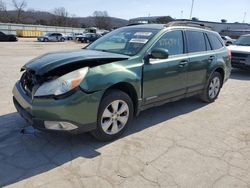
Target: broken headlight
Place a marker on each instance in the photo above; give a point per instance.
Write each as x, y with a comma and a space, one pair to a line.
62, 84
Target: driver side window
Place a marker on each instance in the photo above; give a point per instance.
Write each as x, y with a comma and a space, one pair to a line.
171, 41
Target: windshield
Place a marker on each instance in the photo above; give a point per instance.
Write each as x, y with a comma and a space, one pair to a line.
243, 41
127, 41
47, 34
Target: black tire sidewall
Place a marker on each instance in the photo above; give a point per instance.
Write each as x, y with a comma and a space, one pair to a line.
108, 98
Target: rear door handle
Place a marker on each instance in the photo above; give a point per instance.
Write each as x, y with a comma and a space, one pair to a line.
211, 58
183, 63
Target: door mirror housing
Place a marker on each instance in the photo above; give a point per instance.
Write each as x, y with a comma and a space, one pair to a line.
159, 53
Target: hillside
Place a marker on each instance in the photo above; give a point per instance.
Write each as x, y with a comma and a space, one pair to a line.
47, 18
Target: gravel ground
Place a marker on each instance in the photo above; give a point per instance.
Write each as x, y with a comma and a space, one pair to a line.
182, 144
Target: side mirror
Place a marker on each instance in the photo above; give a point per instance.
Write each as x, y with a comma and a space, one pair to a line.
159, 53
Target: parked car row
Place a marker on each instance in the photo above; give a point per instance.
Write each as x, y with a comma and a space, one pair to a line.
59, 37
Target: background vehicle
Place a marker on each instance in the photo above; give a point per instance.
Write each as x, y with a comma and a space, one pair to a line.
78, 35
100, 88
72, 36
52, 37
227, 40
89, 37
4, 37
241, 52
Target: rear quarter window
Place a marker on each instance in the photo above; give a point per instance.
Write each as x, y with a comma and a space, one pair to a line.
215, 42
195, 41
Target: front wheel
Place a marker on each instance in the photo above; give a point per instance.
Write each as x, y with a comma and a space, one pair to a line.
213, 87
114, 115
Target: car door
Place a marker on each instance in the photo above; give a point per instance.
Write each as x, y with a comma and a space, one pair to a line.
200, 56
166, 78
2, 35
53, 37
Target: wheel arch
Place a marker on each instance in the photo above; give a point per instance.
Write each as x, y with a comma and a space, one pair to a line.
219, 70
129, 90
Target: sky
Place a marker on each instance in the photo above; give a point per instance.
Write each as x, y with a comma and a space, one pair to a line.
210, 10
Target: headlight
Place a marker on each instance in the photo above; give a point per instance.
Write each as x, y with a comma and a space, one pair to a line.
62, 84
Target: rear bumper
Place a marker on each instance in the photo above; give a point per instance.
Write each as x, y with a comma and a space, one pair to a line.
79, 109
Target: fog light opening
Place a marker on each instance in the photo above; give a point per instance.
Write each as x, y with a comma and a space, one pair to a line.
59, 126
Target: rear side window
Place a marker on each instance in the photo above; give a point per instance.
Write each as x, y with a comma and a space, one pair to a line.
215, 41
208, 43
195, 41
171, 41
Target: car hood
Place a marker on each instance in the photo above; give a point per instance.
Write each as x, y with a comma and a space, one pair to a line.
50, 61
243, 49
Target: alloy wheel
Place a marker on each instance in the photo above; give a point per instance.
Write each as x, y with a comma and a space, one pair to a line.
115, 117
214, 88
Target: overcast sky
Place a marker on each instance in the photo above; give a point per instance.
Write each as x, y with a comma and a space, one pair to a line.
212, 10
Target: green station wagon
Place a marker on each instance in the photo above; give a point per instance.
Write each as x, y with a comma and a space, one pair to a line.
100, 88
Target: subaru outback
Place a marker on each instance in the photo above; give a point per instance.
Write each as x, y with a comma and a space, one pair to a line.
100, 88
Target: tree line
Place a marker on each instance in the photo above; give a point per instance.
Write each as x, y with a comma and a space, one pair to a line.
57, 17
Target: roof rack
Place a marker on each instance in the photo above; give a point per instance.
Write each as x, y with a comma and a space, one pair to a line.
188, 23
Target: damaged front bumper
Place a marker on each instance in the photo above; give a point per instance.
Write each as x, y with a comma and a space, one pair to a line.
76, 113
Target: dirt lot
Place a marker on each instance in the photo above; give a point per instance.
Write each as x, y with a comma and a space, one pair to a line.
182, 144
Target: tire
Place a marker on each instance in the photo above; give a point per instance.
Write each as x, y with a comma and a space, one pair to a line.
45, 40
62, 39
213, 88
114, 115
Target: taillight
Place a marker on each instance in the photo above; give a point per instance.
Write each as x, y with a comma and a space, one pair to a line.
229, 53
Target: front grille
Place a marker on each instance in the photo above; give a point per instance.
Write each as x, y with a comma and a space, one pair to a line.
239, 55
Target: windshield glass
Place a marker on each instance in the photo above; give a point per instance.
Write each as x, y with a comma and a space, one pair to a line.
47, 34
243, 41
127, 41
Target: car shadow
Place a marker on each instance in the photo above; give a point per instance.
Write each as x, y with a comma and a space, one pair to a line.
239, 74
25, 152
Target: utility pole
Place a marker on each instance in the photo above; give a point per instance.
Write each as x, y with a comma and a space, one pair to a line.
191, 12
244, 17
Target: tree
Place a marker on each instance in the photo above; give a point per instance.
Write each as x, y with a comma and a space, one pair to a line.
60, 17
19, 7
102, 20
223, 21
164, 19
195, 19
3, 12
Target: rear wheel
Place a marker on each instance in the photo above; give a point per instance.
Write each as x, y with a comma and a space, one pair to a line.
213, 87
45, 40
115, 113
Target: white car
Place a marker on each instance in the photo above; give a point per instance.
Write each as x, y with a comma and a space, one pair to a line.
228, 40
241, 52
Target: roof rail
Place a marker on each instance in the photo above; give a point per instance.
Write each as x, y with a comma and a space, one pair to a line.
132, 24
188, 23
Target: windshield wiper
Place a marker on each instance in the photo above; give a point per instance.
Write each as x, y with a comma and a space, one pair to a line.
243, 44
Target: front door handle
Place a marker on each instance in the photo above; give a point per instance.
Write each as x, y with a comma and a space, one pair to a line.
183, 63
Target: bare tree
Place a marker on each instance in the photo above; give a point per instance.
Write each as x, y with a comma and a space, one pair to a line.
60, 17
102, 19
164, 19
19, 6
3, 12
